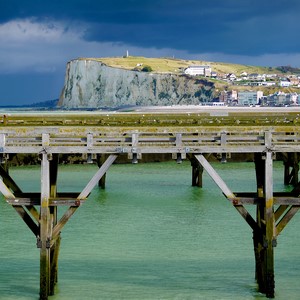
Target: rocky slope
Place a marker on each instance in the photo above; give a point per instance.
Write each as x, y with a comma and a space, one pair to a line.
92, 84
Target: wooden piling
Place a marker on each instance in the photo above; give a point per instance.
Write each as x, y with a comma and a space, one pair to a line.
291, 168
54, 250
44, 242
100, 162
264, 238
269, 237
197, 172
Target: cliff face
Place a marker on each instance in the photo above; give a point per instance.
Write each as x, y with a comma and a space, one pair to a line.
92, 84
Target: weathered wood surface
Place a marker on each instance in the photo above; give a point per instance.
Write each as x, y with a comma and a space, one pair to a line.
208, 131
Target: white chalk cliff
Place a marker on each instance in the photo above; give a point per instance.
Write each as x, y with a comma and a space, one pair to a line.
92, 84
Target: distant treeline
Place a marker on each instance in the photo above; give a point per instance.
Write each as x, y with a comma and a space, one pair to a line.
288, 69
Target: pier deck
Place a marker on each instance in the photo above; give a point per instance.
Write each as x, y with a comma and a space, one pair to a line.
186, 132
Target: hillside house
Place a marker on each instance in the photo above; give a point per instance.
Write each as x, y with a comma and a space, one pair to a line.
284, 82
231, 77
198, 71
268, 83
214, 74
294, 81
257, 77
244, 75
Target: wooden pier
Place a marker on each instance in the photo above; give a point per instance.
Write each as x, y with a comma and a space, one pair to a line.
187, 133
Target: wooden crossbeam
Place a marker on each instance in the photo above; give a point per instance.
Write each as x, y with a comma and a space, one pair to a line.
61, 200
94, 181
246, 215
9, 181
6, 191
280, 211
63, 221
286, 218
215, 176
85, 192
27, 219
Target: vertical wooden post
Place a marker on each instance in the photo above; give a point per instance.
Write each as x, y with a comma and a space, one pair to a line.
197, 172
291, 168
54, 250
45, 224
270, 238
258, 233
264, 238
100, 162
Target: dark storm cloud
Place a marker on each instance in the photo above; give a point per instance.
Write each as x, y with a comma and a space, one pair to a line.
38, 37
247, 27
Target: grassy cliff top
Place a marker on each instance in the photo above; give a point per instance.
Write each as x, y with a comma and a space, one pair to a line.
170, 65
176, 66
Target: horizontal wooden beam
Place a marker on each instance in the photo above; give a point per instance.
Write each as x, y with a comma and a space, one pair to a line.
63, 201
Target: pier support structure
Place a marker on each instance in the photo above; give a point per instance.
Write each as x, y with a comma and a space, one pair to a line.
194, 134
273, 212
45, 223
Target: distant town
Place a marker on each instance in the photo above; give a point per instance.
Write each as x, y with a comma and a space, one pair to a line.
251, 98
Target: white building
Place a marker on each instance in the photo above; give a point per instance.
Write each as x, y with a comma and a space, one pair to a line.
285, 83
198, 70
249, 98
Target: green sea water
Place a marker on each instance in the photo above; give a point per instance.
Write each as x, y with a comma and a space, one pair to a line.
148, 235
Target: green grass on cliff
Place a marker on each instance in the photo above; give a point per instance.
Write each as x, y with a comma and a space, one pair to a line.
170, 65
177, 66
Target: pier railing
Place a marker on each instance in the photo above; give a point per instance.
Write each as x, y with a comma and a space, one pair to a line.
199, 132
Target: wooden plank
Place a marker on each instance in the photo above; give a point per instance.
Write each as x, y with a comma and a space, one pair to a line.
215, 176
151, 147
93, 182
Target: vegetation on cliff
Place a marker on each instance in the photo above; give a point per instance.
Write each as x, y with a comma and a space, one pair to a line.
177, 66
